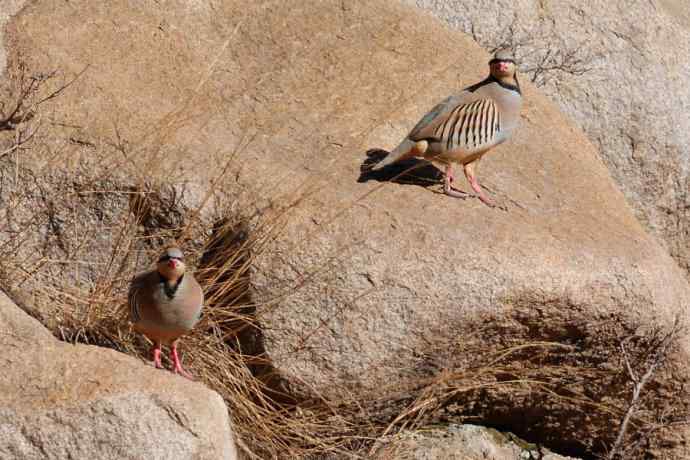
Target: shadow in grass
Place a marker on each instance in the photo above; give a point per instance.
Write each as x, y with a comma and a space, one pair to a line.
225, 271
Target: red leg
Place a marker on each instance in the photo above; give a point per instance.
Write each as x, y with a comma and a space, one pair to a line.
448, 188
156, 350
469, 173
177, 365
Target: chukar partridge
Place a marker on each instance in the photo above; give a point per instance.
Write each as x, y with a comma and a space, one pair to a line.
165, 304
463, 127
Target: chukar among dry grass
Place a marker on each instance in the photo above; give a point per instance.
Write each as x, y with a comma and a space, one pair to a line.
464, 127
165, 304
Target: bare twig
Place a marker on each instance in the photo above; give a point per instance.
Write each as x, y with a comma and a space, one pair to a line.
657, 358
542, 51
23, 108
21, 138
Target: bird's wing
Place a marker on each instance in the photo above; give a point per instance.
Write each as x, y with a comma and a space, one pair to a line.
132, 298
472, 125
427, 126
137, 295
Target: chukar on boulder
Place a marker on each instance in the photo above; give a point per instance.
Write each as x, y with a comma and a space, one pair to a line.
165, 304
465, 126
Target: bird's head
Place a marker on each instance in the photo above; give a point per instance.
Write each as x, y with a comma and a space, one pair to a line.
171, 264
502, 65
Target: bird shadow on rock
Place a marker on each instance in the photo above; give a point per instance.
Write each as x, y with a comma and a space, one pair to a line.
412, 171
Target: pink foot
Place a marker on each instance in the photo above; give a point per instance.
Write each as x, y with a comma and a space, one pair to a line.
177, 365
448, 188
478, 190
157, 356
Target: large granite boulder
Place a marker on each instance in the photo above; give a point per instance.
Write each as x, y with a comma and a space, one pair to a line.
462, 442
75, 401
618, 69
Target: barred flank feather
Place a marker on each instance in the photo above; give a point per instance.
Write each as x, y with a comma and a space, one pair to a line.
470, 126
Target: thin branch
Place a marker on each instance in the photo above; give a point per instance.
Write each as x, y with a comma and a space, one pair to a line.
20, 140
57, 92
657, 359
22, 110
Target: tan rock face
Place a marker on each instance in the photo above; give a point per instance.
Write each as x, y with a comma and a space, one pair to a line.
63, 401
7, 9
678, 10
374, 284
462, 442
619, 70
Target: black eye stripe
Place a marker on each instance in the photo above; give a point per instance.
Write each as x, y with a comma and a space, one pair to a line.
496, 61
167, 257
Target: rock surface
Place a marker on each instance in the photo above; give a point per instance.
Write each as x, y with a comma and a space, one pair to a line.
463, 442
63, 401
7, 9
619, 70
371, 283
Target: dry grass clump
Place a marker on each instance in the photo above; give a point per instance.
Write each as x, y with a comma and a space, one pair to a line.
564, 386
79, 218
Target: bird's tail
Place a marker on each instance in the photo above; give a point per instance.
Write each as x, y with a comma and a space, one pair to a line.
406, 149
